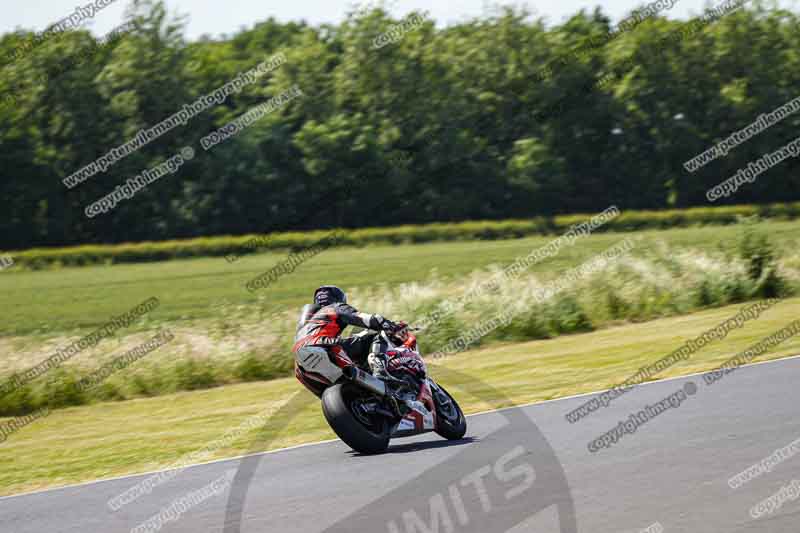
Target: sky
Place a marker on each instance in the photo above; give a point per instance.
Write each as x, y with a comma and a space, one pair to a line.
218, 17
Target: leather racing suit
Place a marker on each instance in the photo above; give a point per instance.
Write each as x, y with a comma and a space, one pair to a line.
322, 326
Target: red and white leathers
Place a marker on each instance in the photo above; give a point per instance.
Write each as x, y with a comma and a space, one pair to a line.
322, 326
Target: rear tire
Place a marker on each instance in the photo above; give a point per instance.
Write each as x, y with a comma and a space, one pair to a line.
336, 406
450, 424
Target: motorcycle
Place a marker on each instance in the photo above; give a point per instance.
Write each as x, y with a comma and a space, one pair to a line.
367, 412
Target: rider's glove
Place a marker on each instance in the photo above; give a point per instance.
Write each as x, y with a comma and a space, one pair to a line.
386, 324
397, 330
401, 331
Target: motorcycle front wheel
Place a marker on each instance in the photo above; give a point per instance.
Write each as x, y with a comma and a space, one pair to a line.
451, 422
363, 432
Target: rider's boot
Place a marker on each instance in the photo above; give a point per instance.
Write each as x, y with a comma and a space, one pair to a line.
377, 365
377, 358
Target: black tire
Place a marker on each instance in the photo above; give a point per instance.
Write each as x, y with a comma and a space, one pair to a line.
450, 427
336, 408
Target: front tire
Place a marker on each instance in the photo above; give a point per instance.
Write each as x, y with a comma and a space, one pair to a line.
363, 435
450, 420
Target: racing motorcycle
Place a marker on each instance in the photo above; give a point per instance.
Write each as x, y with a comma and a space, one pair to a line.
366, 412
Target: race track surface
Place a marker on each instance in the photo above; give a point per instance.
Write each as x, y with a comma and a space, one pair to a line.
522, 469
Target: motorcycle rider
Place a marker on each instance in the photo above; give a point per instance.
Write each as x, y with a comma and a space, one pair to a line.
322, 322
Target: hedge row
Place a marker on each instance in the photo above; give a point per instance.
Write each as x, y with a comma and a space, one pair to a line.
462, 231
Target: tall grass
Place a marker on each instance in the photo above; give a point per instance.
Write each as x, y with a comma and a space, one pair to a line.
656, 282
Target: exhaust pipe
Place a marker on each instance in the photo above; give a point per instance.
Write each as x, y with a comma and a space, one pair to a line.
369, 382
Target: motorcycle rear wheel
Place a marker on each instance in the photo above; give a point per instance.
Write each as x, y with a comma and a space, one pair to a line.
364, 434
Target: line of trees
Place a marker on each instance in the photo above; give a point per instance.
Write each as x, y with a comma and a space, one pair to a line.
447, 123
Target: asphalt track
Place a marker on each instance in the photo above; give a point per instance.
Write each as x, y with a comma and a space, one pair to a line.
672, 471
